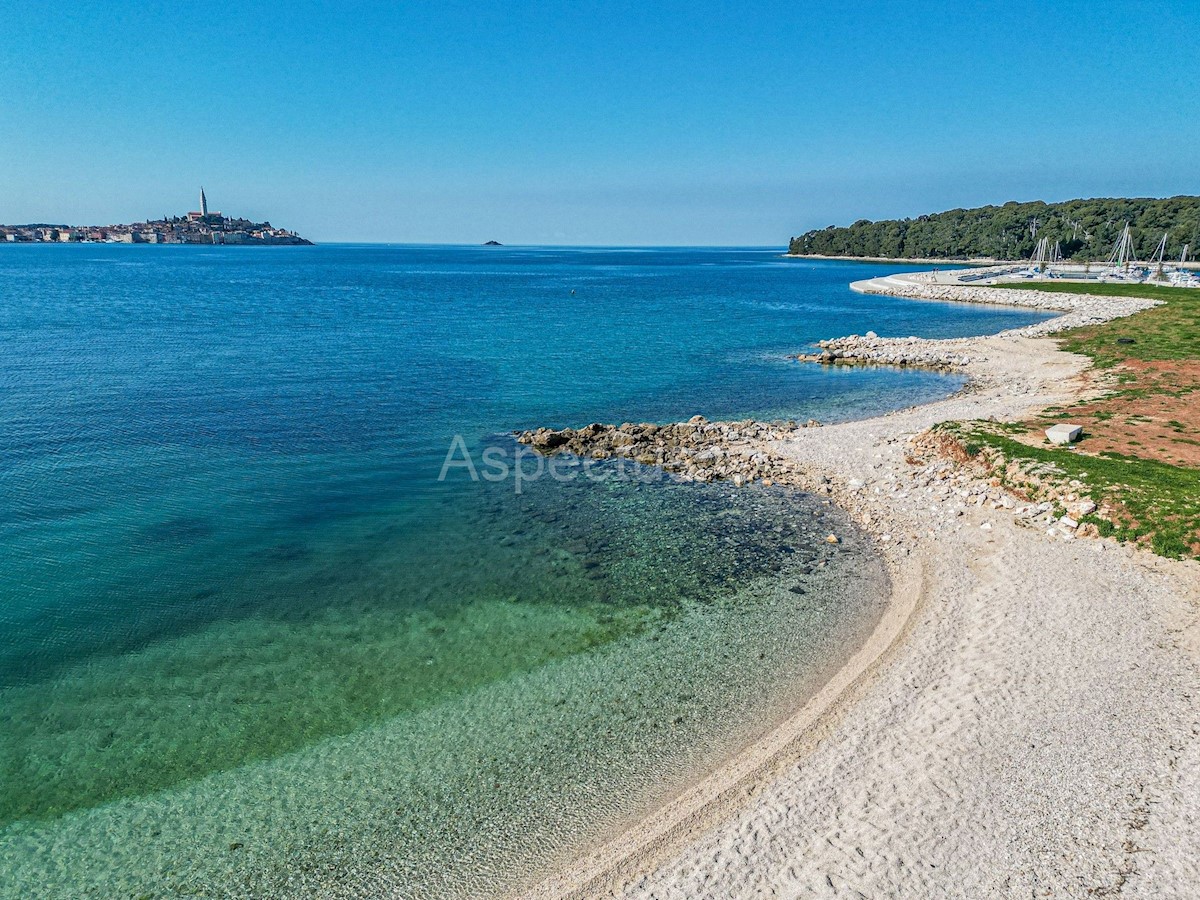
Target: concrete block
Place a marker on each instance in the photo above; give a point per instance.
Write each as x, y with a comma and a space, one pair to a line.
1063, 433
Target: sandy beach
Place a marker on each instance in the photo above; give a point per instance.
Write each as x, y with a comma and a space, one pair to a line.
1023, 722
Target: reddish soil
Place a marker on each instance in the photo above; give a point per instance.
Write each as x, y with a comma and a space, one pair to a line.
1154, 415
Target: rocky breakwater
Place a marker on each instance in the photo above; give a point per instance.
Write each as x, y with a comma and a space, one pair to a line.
1077, 309
909, 352
696, 450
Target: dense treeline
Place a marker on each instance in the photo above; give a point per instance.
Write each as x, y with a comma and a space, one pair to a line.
1085, 229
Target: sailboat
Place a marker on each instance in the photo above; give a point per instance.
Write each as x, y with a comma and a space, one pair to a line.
1037, 262
1181, 277
1157, 259
1120, 260
1056, 259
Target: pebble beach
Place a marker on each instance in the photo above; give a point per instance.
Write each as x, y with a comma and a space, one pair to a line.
1023, 721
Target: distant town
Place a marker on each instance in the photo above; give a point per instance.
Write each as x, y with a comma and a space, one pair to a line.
197, 227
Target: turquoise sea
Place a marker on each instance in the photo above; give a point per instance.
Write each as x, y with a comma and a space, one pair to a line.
251, 645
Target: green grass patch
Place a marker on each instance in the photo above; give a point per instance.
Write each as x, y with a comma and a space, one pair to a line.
1167, 332
1160, 502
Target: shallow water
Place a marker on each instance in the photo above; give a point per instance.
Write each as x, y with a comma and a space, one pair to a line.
252, 646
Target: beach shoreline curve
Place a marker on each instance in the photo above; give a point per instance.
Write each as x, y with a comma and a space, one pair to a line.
1009, 375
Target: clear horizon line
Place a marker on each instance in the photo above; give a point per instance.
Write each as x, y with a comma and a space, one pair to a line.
325, 243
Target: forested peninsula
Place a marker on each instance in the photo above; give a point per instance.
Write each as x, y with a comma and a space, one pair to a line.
1085, 230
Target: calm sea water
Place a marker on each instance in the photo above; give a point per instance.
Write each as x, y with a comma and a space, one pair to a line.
251, 645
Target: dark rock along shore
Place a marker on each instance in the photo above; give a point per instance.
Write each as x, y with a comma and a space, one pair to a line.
696, 450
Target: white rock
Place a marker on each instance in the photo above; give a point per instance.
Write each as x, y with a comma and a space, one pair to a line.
1063, 433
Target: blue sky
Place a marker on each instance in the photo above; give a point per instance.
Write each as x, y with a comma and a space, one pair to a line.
589, 122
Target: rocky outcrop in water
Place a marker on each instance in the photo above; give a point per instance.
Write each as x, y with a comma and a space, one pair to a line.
748, 451
872, 350
696, 450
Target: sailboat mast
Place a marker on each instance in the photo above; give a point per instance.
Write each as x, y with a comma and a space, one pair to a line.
1161, 253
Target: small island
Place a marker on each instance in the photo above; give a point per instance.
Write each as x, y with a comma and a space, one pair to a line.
492, 244
197, 227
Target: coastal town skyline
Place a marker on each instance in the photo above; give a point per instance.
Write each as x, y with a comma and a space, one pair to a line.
718, 126
195, 227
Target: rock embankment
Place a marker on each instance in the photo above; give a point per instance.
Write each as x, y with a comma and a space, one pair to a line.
1077, 309
909, 352
954, 354
696, 450
1036, 495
